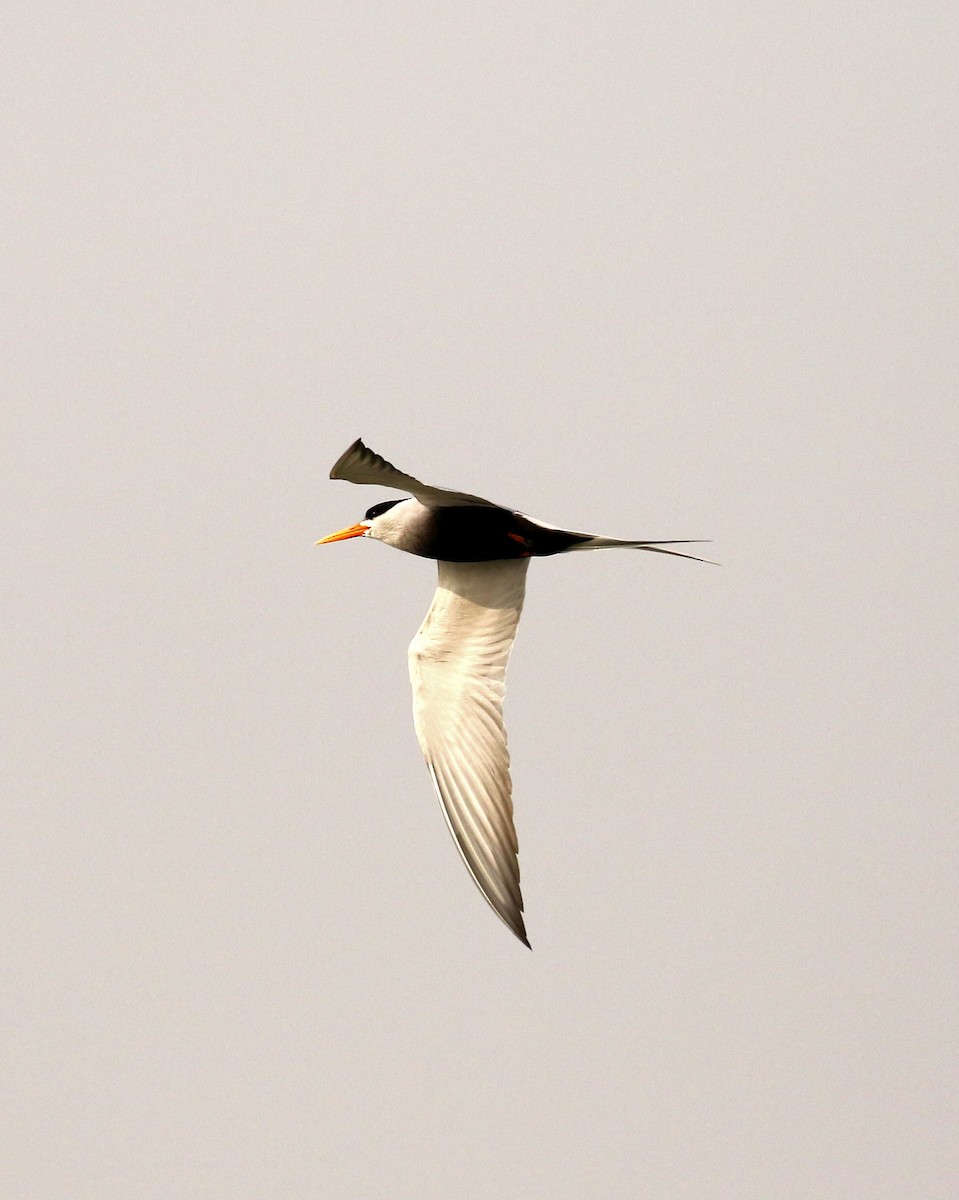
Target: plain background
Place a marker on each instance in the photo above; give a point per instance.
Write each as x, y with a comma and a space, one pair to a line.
659, 270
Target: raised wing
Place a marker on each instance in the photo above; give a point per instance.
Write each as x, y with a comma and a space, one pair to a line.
360, 464
457, 668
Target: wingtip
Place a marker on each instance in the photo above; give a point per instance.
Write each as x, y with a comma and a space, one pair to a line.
519, 930
513, 920
347, 453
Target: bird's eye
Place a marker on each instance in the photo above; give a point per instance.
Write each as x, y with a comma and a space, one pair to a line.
379, 509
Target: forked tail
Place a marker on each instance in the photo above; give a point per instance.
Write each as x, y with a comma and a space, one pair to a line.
605, 543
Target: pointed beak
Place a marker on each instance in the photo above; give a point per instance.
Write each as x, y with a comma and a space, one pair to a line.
343, 534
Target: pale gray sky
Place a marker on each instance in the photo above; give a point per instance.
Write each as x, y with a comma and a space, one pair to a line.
683, 271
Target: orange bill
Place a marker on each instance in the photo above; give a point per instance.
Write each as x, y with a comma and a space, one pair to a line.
343, 534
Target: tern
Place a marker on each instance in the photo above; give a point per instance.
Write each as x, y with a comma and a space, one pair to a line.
458, 658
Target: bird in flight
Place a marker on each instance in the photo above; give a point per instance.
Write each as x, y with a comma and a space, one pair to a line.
458, 658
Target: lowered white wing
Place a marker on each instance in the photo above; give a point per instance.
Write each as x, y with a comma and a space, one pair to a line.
457, 668
360, 464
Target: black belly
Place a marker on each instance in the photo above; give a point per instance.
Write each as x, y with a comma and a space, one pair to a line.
486, 534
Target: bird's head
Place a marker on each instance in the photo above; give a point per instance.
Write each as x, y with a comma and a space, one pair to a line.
378, 523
